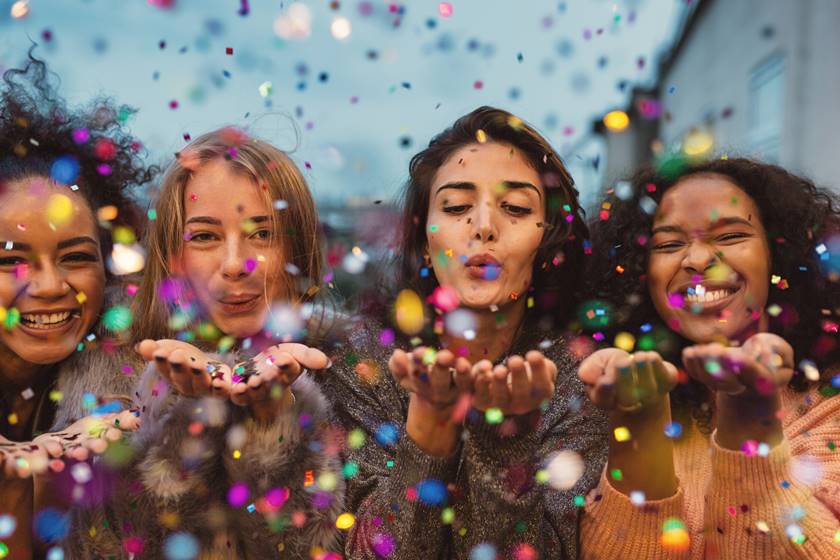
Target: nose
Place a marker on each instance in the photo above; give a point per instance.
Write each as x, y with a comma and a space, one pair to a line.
47, 282
235, 264
699, 256
484, 223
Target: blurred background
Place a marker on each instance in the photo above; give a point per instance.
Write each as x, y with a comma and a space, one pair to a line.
355, 87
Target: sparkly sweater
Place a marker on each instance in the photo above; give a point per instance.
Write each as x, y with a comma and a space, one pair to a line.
483, 499
734, 505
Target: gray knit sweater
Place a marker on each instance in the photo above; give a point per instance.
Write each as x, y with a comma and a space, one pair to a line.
397, 494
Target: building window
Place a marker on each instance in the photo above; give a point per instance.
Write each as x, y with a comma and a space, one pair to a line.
767, 108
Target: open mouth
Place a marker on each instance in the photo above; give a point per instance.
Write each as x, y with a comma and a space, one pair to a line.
701, 295
705, 298
47, 321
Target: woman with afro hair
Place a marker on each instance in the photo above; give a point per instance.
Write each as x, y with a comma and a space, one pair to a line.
724, 419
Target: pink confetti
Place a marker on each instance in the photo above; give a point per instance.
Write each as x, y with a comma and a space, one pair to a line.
445, 9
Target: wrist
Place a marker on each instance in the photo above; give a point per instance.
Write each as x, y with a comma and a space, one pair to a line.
431, 428
266, 412
748, 417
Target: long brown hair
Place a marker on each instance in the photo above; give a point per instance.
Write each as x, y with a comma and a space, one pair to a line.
559, 260
294, 218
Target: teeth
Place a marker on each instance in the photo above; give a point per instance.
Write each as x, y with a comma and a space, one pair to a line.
43, 320
701, 295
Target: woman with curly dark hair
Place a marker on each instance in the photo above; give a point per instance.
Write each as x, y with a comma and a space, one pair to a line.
482, 392
64, 206
733, 257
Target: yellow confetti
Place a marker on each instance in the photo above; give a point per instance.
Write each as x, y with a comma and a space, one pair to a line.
621, 434
345, 521
409, 312
237, 454
3, 314
481, 136
59, 209
625, 341
13, 418
81, 297
616, 121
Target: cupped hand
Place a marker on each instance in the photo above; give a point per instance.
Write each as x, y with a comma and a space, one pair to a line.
628, 383
759, 368
189, 370
91, 434
436, 379
262, 383
519, 387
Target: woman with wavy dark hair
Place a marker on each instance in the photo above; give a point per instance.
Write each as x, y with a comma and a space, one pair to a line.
482, 391
65, 178
730, 456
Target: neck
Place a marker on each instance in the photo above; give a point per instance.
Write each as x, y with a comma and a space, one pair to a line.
494, 333
17, 374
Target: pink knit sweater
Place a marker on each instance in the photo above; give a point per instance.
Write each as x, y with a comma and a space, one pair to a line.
733, 505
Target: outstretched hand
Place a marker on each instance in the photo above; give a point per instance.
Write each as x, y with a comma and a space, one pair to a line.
628, 383
91, 434
519, 387
435, 379
189, 370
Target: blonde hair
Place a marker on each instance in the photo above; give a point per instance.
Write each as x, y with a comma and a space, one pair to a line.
278, 179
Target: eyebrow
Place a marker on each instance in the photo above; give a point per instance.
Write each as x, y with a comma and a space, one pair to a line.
724, 221
467, 186
17, 246
76, 241
217, 222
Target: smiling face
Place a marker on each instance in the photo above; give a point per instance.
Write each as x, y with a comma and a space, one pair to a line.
709, 262
228, 256
51, 273
485, 206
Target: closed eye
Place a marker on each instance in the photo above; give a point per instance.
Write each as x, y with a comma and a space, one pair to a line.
735, 236
516, 210
11, 261
459, 209
202, 237
668, 246
80, 257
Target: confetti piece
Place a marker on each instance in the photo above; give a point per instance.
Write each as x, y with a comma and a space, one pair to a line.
409, 312
625, 341
564, 469
494, 416
345, 521
59, 209
616, 121
622, 433
445, 9
675, 537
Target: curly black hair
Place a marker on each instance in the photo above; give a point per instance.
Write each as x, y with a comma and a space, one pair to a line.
37, 128
797, 216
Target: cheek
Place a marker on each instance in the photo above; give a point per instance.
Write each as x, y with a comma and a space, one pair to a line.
197, 268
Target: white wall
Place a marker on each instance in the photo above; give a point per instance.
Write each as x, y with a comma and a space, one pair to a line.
712, 72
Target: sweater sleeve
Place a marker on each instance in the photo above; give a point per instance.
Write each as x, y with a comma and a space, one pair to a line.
291, 471
783, 504
614, 527
396, 491
504, 506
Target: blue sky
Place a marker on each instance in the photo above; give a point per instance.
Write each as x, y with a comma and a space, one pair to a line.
363, 105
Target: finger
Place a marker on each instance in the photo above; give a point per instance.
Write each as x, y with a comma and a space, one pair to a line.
646, 389
463, 377
520, 383
160, 357
146, 349
179, 372
288, 368
308, 357
593, 367
441, 376
399, 364
664, 373
626, 396
499, 389
483, 377
543, 374
239, 394
200, 380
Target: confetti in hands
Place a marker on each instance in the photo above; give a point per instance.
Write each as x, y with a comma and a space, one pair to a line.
436, 378
629, 383
759, 368
258, 383
517, 387
91, 434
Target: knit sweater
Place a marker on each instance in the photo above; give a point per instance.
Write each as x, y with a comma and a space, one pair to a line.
482, 498
734, 504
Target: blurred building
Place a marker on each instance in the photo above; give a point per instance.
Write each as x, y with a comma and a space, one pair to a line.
745, 77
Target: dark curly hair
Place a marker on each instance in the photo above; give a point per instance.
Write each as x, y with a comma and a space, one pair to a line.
37, 128
558, 264
797, 217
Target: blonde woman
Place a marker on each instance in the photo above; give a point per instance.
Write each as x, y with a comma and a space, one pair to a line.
226, 453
